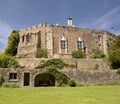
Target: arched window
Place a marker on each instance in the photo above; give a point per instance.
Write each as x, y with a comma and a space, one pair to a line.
79, 43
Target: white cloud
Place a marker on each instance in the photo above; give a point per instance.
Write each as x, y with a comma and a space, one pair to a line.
108, 20
5, 30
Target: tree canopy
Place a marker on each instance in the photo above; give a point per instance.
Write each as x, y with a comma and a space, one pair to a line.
6, 57
13, 40
114, 53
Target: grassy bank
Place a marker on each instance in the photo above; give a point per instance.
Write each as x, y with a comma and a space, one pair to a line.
61, 95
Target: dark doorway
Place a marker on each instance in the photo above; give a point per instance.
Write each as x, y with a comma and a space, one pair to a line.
44, 79
26, 79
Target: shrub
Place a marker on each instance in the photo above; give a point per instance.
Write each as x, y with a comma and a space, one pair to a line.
97, 54
72, 83
4, 60
118, 71
78, 54
41, 53
61, 78
10, 85
1, 80
57, 63
13, 63
96, 67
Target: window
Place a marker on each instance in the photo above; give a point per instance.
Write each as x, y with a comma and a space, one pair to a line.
79, 44
27, 38
63, 44
12, 76
23, 38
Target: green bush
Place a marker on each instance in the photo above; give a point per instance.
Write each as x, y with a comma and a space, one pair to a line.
13, 63
72, 83
57, 63
10, 85
78, 54
97, 54
96, 67
118, 71
4, 60
1, 80
62, 79
41, 53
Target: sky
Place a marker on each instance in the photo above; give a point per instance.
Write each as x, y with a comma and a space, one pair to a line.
19, 14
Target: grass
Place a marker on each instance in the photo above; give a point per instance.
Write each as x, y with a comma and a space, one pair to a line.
61, 95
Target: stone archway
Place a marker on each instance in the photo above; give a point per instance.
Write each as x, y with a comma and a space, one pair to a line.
44, 79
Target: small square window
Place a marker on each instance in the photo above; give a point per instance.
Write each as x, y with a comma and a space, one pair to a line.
12, 76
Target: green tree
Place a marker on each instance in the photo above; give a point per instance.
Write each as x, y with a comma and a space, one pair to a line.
78, 54
13, 40
4, 60
97, 54
114, 53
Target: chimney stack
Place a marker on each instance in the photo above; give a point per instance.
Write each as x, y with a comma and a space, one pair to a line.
70, 22
112, 30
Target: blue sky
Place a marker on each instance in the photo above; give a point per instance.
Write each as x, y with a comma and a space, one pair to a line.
18, 14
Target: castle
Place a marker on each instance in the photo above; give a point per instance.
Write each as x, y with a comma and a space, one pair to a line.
61, 41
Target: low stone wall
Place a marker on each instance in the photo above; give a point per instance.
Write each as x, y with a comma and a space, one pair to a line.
93, 77
82, 77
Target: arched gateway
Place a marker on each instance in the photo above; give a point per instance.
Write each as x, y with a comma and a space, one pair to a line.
44, 79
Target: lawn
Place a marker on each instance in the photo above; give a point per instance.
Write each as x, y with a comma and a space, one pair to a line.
61, 95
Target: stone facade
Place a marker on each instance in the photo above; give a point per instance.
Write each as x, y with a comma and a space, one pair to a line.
61, 41
25, 77
80, 64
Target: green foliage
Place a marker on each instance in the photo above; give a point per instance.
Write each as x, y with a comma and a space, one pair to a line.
13, 40
4, 60
57, 63
118, 71
13, 63
107, 83
78, 54
96, 67
10, 85
72, 83
61, 78
1, 80
97, 54
114, 53
7, 61
41, 53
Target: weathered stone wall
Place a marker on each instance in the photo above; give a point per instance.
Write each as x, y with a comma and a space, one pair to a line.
81, 64
49, 36
93, 77
82, 77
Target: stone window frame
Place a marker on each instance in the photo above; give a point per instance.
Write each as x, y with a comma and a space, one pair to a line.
13, 76
63, 44
79, 43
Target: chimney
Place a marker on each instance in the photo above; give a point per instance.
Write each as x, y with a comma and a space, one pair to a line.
112, 30
70, 22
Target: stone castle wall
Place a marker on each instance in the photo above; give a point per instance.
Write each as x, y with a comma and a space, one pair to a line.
81, 64
49, 36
